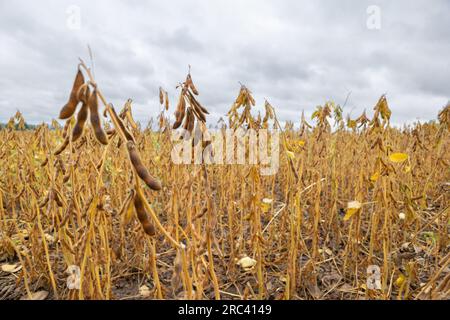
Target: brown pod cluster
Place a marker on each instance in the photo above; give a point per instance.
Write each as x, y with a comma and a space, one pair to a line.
95, 119
141, 170
69, 109
194, 109
142, 215
164, 98
81, 117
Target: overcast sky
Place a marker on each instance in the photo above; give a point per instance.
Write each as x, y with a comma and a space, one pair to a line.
297, 54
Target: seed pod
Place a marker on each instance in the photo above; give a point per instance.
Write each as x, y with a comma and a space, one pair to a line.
66, 128
161, 96
120, 123
198, 113
166, 97
95, 119
69, 109
180, 112
129, 116
81, 118
189, 120
44, 201
66, 177
186, 120
191, 85
82, 92
141, 170
63, 146
176, 124
110, 132
200, 116
176, 280
57, 199
197, 104
141, 213
252, 101
44, 163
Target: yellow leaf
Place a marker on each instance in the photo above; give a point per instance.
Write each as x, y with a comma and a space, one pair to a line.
349, 213
400, 280
375, 176
290, 154
407, 169
398, 157
301, 143
266, 204
128, 213
352, 208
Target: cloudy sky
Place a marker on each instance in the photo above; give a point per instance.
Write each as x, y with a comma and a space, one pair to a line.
297, 54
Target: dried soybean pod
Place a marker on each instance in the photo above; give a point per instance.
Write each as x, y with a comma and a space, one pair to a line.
141, 213
198, 114
66, 177
161, 96
180, 112
63, 146
187, 119
44, 163
191, 85
166, 98
95, 119
252, 101
111, 131
141, 170
121, 125
82, 91
57, 199
197, 104
81, 119
44, 201
191, 121
176, 124
197, 111
69, 109
66, 128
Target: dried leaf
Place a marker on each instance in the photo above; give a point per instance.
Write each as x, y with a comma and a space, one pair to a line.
144, 291
39, 295
11, 268
247, 263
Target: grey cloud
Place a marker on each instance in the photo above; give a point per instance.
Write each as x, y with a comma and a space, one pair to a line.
297, 54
